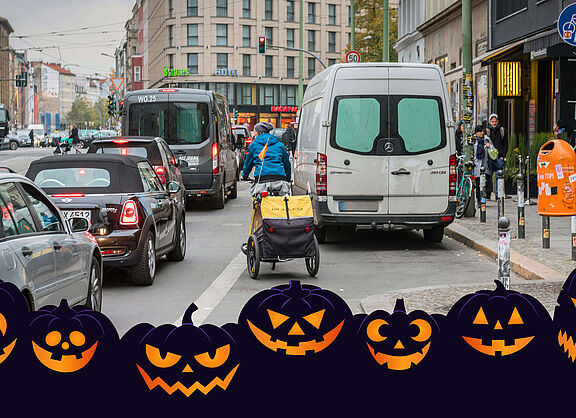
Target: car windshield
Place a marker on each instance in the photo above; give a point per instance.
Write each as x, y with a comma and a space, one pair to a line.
73, 177
39, 132
176, 123
3, 115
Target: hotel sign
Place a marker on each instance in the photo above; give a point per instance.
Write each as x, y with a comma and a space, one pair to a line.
225, 72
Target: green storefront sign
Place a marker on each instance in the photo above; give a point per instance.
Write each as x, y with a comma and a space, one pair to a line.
168, 72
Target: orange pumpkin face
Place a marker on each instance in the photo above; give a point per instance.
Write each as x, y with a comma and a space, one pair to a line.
13, 318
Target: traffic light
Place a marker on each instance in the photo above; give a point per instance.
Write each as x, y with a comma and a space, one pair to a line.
18, 81
111, 105
262, 45
24, 79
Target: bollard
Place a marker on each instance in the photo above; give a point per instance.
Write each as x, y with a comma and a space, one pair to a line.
520, 164
521, 218
528, 202
545, 232
573, 218
482, 194
504, 251
500, 185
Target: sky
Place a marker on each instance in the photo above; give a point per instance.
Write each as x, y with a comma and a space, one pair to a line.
35, 19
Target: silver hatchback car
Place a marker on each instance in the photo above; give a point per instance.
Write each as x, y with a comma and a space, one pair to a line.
46, 256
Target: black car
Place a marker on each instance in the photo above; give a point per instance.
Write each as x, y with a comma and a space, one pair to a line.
134, 218
156, 150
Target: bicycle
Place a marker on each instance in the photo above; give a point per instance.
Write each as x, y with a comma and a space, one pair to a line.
464, 186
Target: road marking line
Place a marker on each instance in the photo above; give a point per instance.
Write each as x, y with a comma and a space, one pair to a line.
214, 294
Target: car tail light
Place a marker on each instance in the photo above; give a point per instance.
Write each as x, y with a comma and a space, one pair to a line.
452, 176
69, 195
445, 218
120, 141
321, 177
215, 160
129, 213
160, 172
82, 172
113, 252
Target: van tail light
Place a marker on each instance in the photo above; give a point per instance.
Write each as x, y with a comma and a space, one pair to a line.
452, 177
129, 213
321, 175
215, 159
160, 172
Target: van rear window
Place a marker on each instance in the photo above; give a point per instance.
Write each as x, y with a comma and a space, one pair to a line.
363, 124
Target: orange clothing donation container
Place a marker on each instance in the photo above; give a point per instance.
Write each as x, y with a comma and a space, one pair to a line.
556, 166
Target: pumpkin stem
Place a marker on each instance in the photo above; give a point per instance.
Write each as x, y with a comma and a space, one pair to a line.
499, 286
187, 318
399, 307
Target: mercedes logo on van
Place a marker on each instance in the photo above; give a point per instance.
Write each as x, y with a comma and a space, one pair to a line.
388, 147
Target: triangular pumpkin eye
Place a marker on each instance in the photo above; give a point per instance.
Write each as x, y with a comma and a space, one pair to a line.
515, 318
480, 318
276, 318
315, 318
573, 301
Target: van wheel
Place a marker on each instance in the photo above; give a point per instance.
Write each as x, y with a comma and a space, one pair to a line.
320, 233
234, 190
434, 235
220, 199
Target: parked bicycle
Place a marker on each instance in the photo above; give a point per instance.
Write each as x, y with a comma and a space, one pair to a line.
464, 185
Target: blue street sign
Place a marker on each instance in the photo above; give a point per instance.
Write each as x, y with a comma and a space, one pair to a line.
567, 24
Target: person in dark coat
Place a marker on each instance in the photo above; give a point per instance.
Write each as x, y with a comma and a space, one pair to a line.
74, 135
31, 135
459, 137
499, 139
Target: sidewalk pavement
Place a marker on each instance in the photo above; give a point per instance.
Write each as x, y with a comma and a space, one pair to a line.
542, 271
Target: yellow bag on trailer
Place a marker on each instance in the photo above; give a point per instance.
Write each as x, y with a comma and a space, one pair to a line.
275, 207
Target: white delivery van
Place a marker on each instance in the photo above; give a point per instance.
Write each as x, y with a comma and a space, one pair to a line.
376, 148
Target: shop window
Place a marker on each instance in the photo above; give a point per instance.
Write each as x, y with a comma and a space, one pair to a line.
290, 67
192, 34
290, 38
193, 63
192, 8
246, 36
508, 78
290, 11
222, 35
221, 8
246, 9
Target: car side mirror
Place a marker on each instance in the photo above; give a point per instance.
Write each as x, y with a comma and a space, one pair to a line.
78, 224
173, 187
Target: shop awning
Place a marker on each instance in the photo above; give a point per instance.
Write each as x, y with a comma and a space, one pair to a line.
493, 55
542, 40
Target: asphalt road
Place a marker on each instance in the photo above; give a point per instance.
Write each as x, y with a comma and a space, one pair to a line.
213, 274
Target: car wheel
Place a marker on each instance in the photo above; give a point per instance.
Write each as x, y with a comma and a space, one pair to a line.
234, 191
220, 200
94, 298
81, 144
434, 235
13, 145
142, 274
179, 251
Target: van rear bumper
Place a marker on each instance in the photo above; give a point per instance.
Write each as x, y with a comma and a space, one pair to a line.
365, 221
197, 193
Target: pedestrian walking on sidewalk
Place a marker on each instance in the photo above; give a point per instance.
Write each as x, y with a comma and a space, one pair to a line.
482, 159
499, 139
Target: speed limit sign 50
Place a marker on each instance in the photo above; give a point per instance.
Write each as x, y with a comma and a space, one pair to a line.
353, 56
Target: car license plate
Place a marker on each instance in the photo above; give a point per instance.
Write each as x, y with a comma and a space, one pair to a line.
68, 214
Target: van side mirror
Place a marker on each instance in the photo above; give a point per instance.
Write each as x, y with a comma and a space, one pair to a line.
78, 224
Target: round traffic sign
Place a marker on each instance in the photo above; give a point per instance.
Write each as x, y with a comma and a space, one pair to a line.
353, 56
567, 24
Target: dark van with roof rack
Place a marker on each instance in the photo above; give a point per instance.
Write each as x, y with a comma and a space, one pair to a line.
196, 126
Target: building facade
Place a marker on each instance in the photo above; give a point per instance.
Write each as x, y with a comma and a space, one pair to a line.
6, 85
213, 45
411, 44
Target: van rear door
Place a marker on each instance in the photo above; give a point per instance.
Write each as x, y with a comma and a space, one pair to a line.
419, 159
358, 169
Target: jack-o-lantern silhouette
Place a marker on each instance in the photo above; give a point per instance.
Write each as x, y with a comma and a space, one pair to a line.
400, 340
184, 359
13, 318
295, 319
499, 323
66, 340
565, 320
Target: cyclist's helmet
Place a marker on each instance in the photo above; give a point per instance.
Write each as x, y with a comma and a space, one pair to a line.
263, 127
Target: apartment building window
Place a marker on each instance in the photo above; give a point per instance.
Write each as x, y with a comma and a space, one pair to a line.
349, 16
268, 32
222, 35
221, 61
246, 65
193, 63
505, 8
192, 8
192, 34
311, 12
311, 40
290, 38
331, 14
221, 8
170, 8
290, 11
311, 67
137, 74
246, 36
331, 61
170, 36
171, 61
289, 95
290, 67
246, 9
246, 94
331, 41
269, 65
268, 10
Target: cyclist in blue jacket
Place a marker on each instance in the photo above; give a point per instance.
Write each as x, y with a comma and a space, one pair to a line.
275, 171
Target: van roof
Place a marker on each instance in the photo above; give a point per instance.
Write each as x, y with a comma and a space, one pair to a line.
175, 90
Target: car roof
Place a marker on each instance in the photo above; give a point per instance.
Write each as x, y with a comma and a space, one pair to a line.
130, 160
